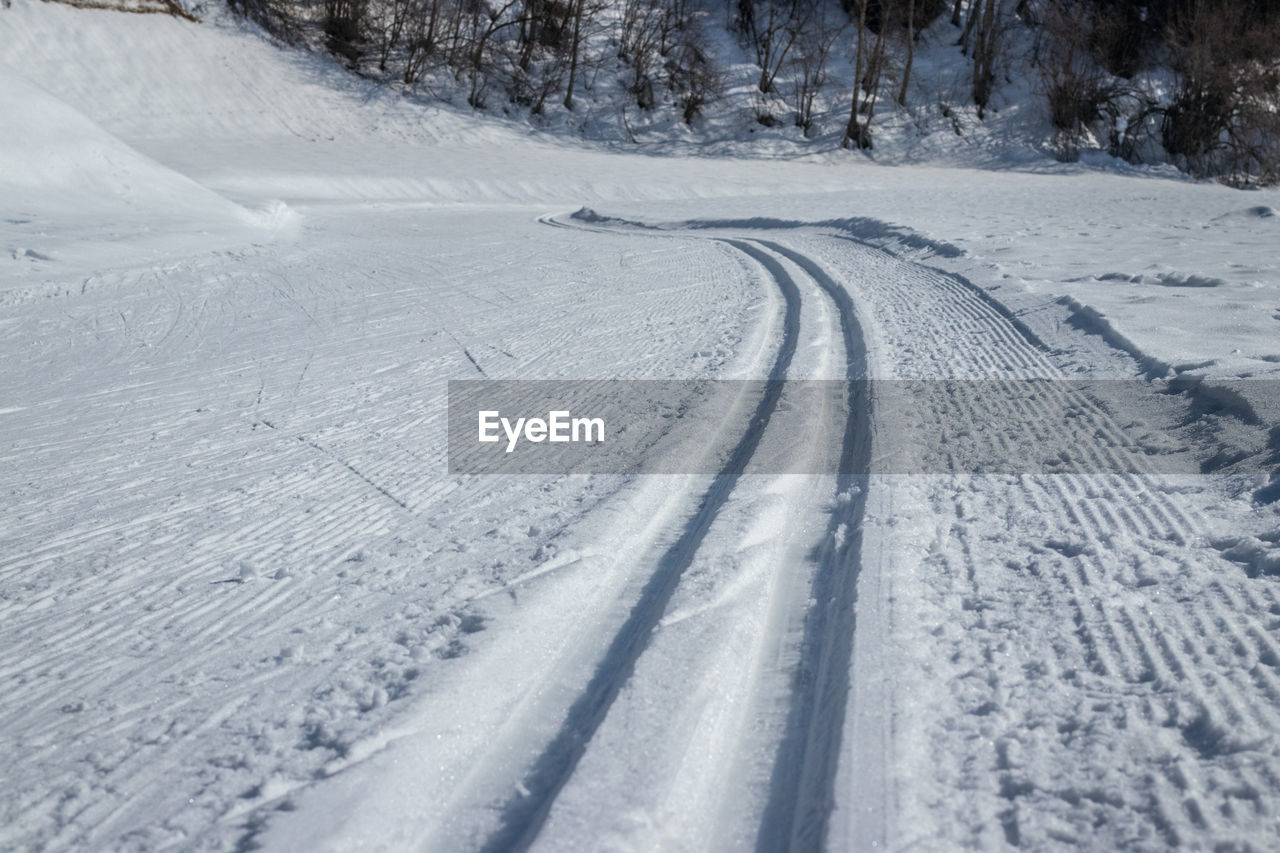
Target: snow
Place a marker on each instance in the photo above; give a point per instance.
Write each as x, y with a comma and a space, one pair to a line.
244, 602
55, 161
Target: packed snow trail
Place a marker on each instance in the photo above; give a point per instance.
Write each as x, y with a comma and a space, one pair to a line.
802, 772
522, 818
785, 780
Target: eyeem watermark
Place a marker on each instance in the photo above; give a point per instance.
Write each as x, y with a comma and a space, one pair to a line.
559, 426
946, 426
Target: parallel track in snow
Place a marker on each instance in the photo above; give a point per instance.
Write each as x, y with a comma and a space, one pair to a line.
803, 779
525, 813
803, 767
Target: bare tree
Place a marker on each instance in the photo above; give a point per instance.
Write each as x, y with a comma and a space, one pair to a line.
695, 80
584, 24
345, 23
988, 24
390, 19
775, 26
809, 65
421, 27
869, 65
494, 20
1079, 93
911, 52
1225, 116
638, 41
575, 45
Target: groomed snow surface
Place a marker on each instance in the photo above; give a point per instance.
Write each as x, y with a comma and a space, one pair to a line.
244, 605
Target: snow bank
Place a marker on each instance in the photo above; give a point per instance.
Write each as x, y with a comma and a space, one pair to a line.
71, 192
56, 161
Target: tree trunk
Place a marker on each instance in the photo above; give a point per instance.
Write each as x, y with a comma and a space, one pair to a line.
911, 51
984, 48
854, 132
573, 54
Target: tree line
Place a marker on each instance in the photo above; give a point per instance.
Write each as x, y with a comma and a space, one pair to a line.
1192, 82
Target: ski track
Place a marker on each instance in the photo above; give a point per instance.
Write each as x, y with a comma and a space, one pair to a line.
802, 784
525, 813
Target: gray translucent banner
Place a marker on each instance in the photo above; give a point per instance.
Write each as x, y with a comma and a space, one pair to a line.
862, 427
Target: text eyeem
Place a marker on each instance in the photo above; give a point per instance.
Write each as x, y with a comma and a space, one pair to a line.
558, 426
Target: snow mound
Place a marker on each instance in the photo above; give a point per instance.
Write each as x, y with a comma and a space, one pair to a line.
1258, 557
55, 163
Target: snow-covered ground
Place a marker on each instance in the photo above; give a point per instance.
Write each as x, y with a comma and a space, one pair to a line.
244, 603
